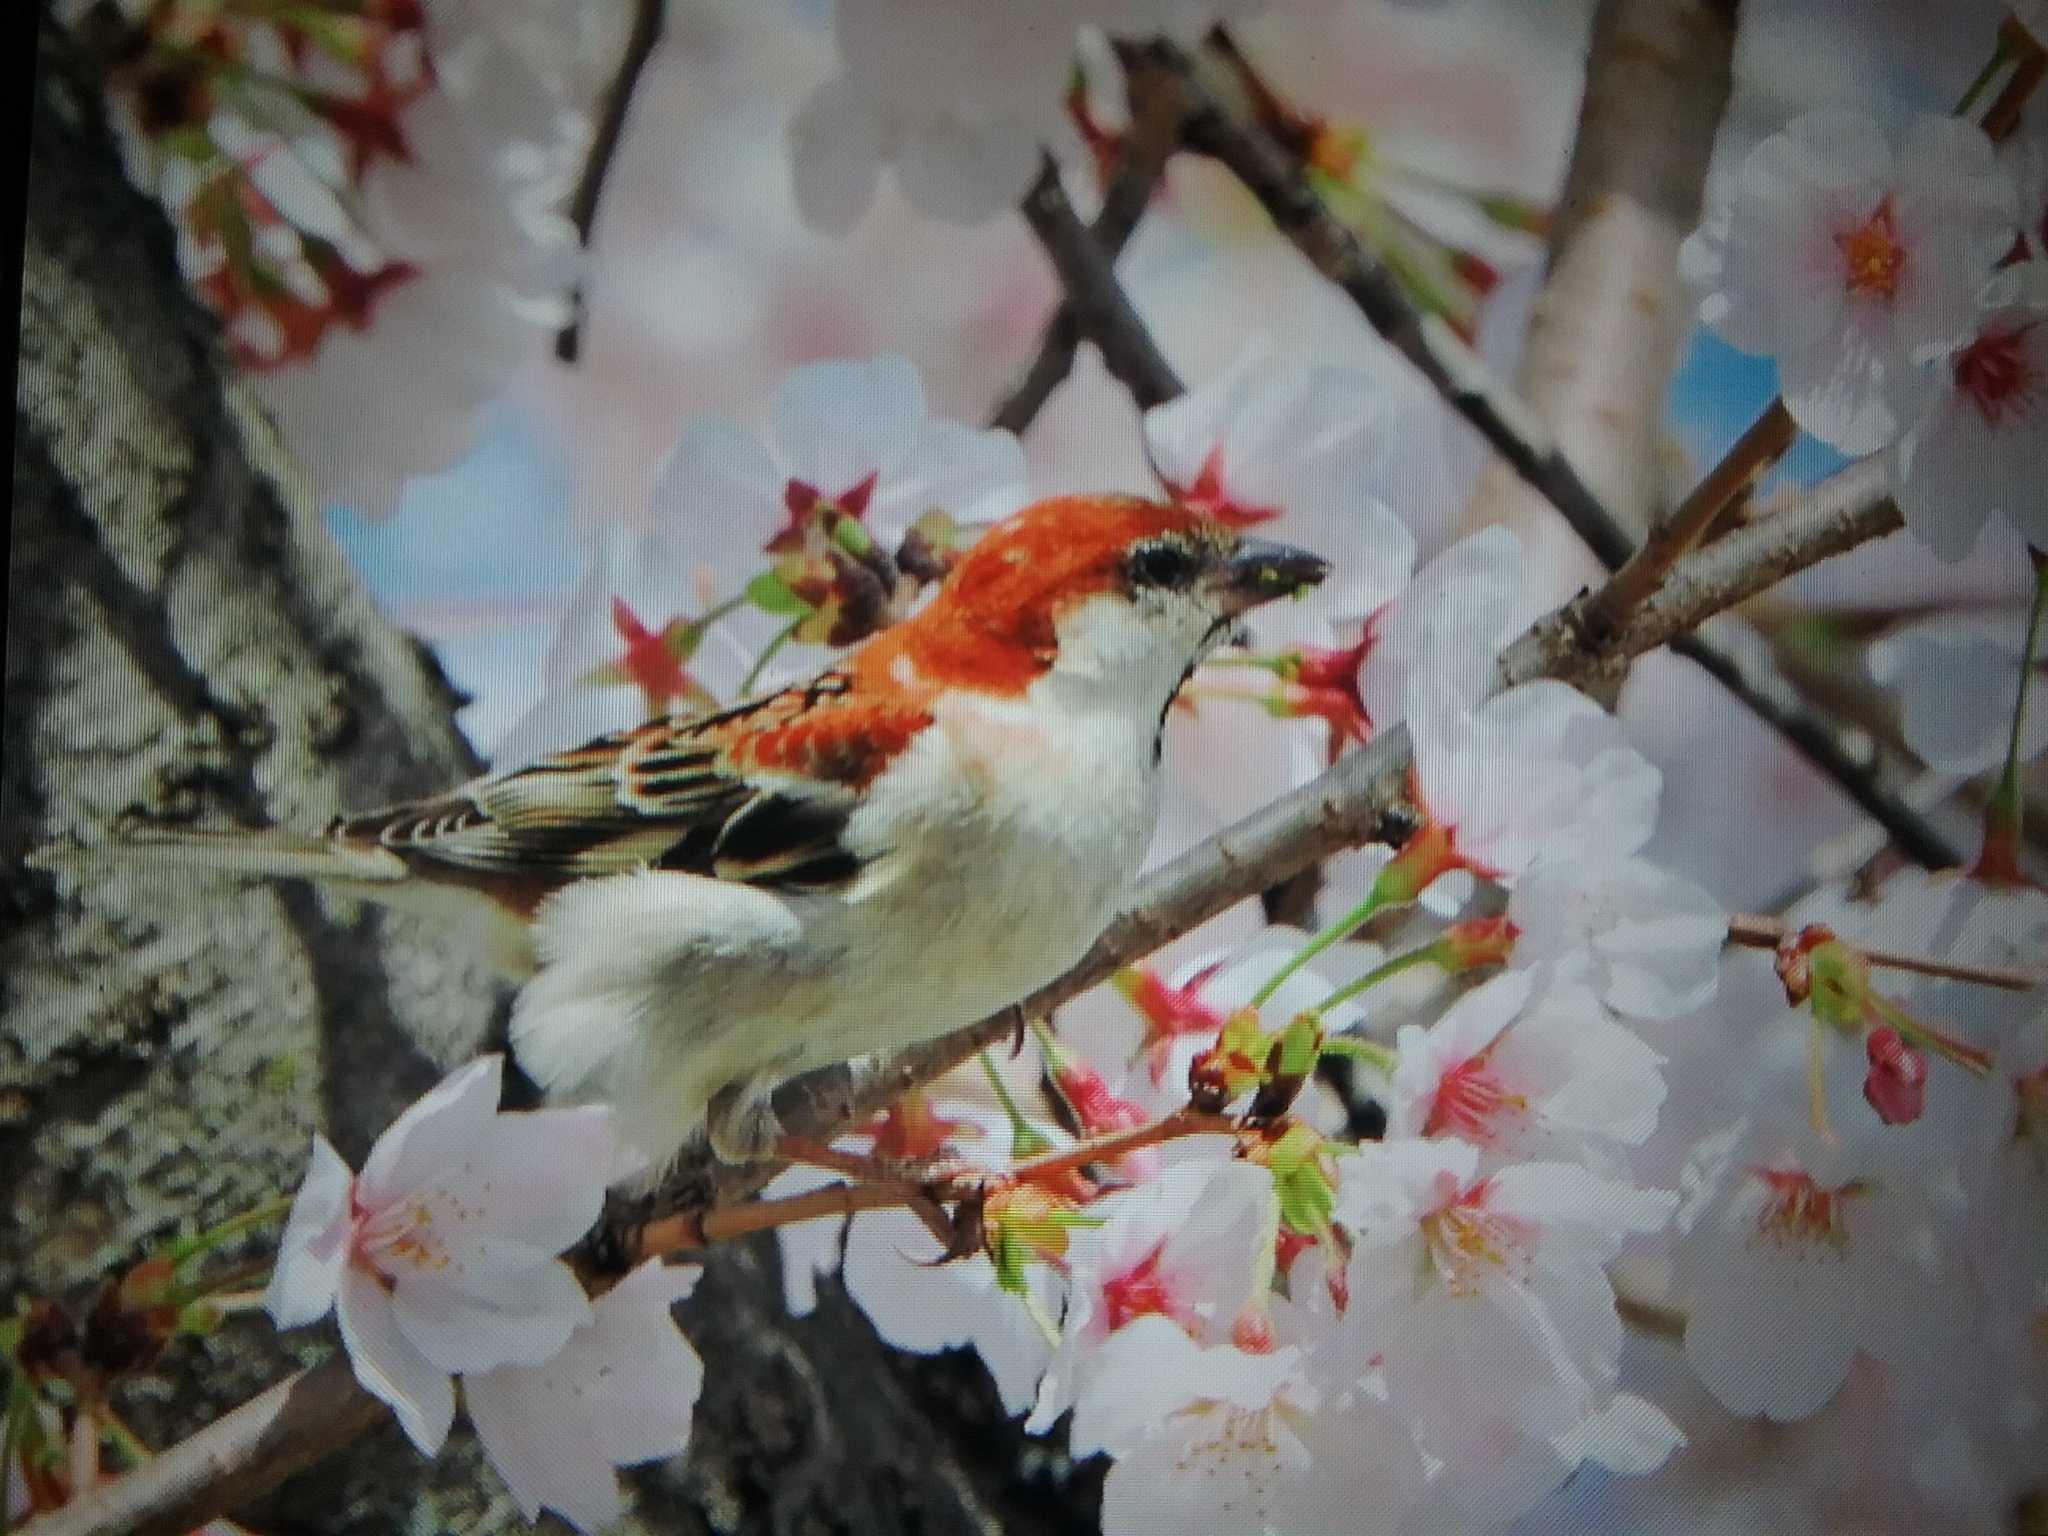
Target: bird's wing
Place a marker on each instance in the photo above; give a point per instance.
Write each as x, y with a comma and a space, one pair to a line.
760, 793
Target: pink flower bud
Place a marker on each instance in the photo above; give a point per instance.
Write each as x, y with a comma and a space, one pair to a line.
1896, 1086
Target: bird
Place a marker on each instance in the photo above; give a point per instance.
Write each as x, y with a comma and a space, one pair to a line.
706, 905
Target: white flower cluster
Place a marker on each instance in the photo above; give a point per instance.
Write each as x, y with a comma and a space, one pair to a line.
1877, 268
440, 1260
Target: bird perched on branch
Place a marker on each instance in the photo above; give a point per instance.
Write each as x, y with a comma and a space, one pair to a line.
931, 828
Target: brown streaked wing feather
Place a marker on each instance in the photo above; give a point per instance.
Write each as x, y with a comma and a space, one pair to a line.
709, 794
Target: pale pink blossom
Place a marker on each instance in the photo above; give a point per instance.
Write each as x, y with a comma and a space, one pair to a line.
440, 1257
1956, 678
1852, 256
1432, 647
1648, 942
1213, 1440
1792, 1259
623, 1390
475, 209
1524, 1076
1187, 1245
1539, 767
1297, 450
1976, 451
614, 658
1485, 1293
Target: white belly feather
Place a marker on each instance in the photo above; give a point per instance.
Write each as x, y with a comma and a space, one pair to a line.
997, 849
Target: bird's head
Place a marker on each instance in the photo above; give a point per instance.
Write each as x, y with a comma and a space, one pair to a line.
1117, 588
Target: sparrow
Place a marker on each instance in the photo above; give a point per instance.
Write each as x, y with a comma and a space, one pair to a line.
706, 905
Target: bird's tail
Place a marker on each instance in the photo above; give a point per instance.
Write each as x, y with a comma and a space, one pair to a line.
271, 853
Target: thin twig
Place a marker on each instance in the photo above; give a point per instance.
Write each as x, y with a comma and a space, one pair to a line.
1151, 141
604, 147
1277, 179
1769, 439
1754, 930
240, 1455
1101, 307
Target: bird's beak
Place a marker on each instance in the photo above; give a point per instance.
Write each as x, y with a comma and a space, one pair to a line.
1260, 571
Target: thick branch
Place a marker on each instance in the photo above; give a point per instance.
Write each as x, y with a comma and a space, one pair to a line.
239, 1456
604, 148
1604, 335
1102, 310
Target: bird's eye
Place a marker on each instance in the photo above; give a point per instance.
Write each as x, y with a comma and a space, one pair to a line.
1163, 563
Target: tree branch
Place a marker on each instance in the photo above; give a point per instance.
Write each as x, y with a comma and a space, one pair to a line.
1276, 178
236, 1458
1102, 310
1150, 143
604, 148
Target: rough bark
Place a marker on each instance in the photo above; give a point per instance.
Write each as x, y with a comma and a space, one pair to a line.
1604, 334
185, 640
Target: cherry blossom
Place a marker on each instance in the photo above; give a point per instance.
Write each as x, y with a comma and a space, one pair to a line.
1646, 941
1977, 450
1792, 1259
622, 1390
1433, 646
1574, 786
1956, 679
1524, 1077
476, 210
852, 459
1485, 1293
439, 1257
632, 643
1851, 255
1274, 442
1187, 1246
1209, 1437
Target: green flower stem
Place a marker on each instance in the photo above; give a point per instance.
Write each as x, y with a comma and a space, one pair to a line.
187, 1248
1026, 1139
782, 637
1429, 954
1344, 926
2000, 57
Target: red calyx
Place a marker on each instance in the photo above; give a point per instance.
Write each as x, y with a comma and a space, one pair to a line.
1896, 1085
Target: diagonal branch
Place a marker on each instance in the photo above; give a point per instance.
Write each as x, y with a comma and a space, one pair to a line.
1103, 312
1276, 178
